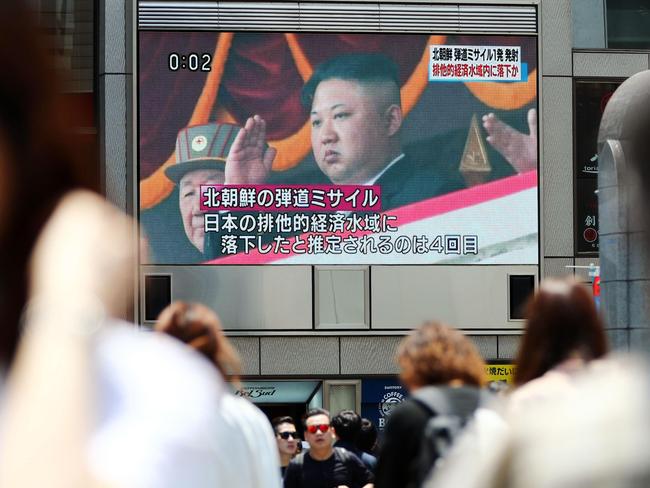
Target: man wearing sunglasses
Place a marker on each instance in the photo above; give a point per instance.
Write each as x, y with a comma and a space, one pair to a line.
287, 440
325, 466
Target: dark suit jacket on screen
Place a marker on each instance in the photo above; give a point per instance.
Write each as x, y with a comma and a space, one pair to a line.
409, 181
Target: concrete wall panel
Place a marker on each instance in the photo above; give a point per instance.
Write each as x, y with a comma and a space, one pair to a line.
557, 267
299, 355
557, 37
369, 355
249, 352
245, 297
557, 166
486, 345
508, 346
467, 297
608, 64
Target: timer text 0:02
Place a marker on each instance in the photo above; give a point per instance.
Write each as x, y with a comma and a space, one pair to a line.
191, 61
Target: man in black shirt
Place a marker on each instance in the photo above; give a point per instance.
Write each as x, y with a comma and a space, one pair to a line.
347, 425
325, 466
287, 440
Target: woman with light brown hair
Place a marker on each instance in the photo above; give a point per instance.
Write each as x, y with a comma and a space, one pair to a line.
433, 359
246, 450
200, 328
435, 354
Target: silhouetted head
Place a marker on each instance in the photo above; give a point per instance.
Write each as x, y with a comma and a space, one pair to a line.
367, 438
347, 425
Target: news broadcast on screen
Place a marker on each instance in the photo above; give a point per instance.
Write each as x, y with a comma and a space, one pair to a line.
336, 148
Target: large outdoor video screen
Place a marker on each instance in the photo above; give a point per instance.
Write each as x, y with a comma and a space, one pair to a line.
326, 148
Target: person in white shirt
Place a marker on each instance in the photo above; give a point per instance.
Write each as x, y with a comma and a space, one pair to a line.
246, 452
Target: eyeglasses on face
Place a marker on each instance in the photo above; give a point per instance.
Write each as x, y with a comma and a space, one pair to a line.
312, 429
286, 435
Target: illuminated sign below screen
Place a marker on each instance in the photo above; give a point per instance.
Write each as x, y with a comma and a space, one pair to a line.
320, 148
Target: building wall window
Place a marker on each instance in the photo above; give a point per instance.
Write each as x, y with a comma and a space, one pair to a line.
628, 24
70, 29
591, 97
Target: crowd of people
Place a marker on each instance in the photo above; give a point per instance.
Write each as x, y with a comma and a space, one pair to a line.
572, 403
87, 400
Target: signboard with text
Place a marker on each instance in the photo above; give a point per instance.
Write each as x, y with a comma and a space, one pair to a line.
337, 148
378, 398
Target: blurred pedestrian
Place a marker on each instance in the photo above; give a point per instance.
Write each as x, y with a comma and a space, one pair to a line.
323, 465
434, 360
246, 454
38, 163
287, 440
563, 333
44, 430
595, 434
347, 426
199, 327
367, 438
89, 401
563, 336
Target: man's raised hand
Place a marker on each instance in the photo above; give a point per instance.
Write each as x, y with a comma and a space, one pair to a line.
250, 159
520, 150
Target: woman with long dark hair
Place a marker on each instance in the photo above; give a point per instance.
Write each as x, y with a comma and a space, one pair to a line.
60, 273
576, 418
38, 161
563, 333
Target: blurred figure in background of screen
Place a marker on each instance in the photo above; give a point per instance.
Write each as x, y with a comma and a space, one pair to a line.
200, 160
189, 188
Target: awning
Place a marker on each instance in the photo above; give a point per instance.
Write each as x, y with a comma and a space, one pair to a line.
278, 391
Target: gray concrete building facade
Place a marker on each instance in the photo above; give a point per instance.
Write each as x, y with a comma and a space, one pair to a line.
341, 324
